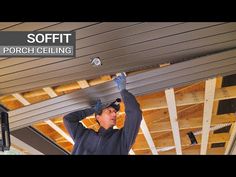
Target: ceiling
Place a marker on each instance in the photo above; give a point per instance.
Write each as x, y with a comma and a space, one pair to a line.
122, 46
155, 55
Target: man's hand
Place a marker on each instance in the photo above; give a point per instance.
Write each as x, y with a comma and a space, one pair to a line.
98, 106
120, 82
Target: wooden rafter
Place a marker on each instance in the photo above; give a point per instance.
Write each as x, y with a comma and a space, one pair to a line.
216, 103
187, 98
59, 130
187, 123
50, 92
165, 140
131, 152
232, 138
83, 84
170, 98
148, 137
21, 99
207, 113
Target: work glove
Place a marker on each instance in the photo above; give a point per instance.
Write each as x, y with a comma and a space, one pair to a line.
98, 106
120, 82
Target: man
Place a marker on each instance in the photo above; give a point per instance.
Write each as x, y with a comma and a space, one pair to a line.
107, 140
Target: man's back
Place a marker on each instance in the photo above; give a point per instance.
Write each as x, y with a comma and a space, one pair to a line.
104, 142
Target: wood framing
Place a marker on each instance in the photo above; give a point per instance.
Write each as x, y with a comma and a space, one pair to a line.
83, 84
50, 92
232, 139
207, 113
148, 137
21, 99
188, 98
60, 131
170, 98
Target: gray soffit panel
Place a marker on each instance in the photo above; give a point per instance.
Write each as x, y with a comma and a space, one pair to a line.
122, 47
39, 142
179, 74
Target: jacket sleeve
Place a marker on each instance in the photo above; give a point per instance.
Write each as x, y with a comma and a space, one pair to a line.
133, 118
73, 124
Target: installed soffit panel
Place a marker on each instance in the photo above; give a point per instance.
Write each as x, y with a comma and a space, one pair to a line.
122, 47
38, 141
180, 74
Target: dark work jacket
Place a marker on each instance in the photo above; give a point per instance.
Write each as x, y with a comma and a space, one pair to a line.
105, 142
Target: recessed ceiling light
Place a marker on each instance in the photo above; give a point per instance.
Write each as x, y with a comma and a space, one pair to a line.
96, 61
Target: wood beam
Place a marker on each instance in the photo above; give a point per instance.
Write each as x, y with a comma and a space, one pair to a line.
170, 98
231, 139
165, 126
131, 152
67, 87
50, 92
216, 103
100, 80
166, 140
83, 84
192, 150
223, 93
21, 99
148, 137
60, 131
187, 123
26, 95
106, 78
207, 113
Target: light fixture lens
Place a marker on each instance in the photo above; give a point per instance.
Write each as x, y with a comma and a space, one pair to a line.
96, 61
